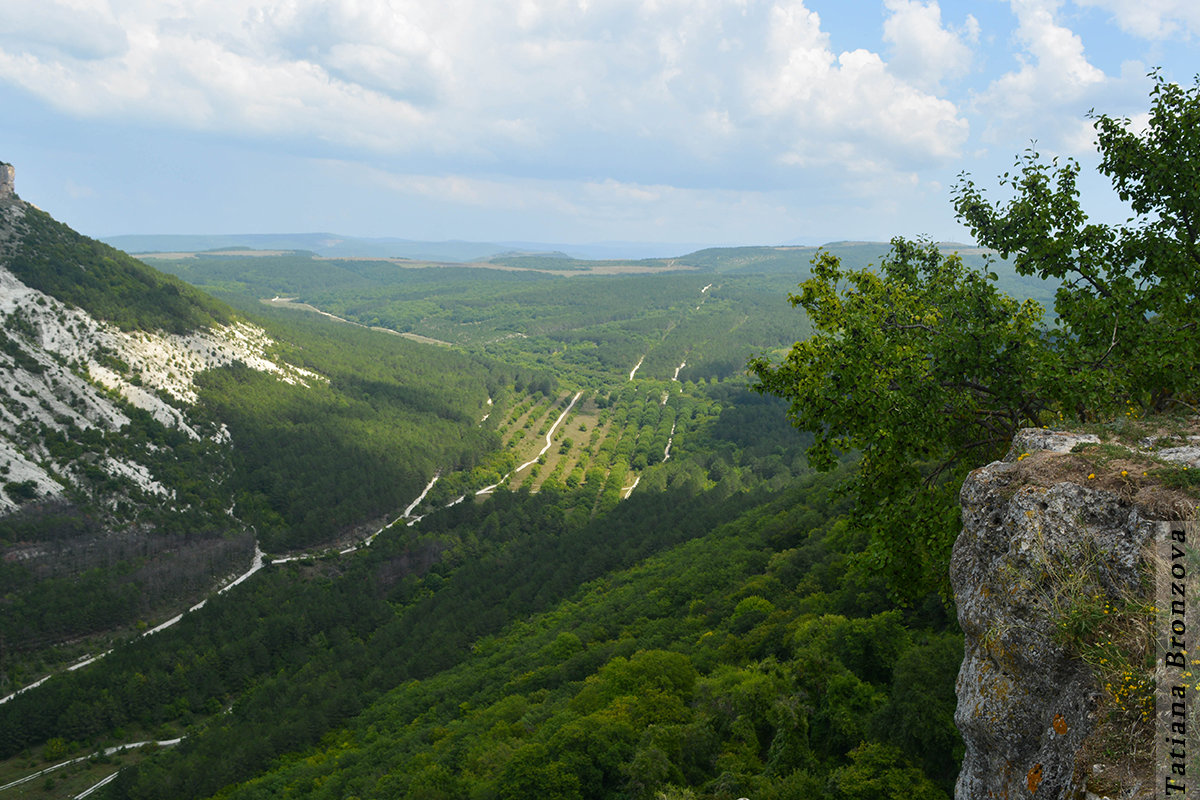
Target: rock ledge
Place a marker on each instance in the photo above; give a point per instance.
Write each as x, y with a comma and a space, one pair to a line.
1041, 530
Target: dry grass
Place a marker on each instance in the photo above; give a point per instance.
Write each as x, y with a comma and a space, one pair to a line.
1127, 468
1111, 629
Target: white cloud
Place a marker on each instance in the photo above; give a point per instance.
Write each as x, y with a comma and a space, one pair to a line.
625, 110
196, 83
1078, 137
392, 47
594, 209
79, 30
466, 190
849, 108
803, 58
1053, 82
79, 190
570, 198
923, 51
641, 82
1153, 19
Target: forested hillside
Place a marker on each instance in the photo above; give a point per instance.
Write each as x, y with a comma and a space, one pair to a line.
110, 285
610, 573
707, 635
584, 323
678, 672
152, 438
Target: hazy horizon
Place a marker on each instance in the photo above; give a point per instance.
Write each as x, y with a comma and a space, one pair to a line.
723, 123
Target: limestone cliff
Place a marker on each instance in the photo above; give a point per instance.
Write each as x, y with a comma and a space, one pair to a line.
7, 180
1056, 545
64, 372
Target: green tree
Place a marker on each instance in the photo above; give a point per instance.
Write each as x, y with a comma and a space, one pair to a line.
1127, 305
925, 369
532, 773
879, 772
920, 716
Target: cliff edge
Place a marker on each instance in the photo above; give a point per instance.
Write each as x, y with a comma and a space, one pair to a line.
1053, 579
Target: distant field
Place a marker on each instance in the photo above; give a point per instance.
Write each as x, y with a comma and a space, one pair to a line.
227, 253
563, 267
692, 317
588, 268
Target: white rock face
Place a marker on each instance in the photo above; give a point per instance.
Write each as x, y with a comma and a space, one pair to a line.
1029, 440
71, 366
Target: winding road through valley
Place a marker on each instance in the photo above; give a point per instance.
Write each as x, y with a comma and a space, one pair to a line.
108, 751
259, 560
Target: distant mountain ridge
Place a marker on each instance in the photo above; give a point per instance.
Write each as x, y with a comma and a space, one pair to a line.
749, 258
336, 245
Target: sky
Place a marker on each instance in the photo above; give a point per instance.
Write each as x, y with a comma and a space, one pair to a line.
718, 122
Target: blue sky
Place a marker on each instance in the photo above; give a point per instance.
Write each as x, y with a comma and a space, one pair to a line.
690, 121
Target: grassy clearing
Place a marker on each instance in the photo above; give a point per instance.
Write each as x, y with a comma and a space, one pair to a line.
569, 444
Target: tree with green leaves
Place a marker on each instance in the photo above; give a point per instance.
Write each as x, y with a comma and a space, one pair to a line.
1128, 305
923, 368
926, 370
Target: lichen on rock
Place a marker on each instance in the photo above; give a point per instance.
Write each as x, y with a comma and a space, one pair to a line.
1030, 706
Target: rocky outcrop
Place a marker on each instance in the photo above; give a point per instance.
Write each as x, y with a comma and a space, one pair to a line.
1043, 531
63, 371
